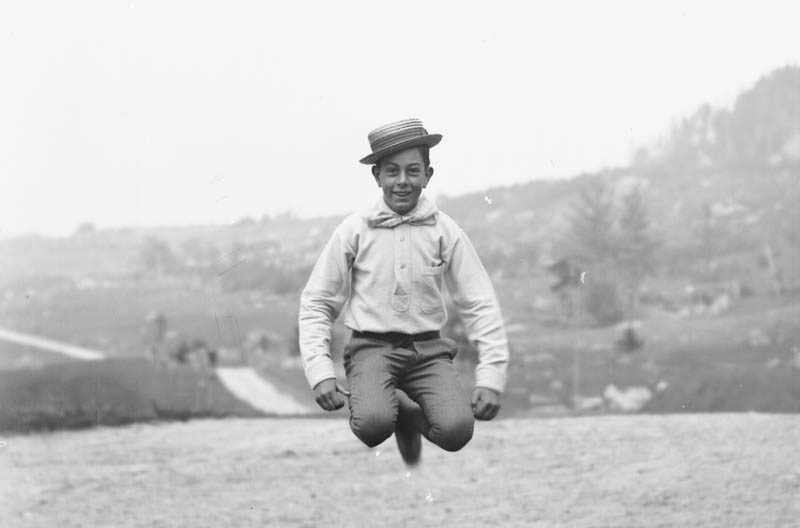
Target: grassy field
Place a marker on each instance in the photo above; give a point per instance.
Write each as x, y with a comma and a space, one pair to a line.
731, 470
116, 318
110, 392
706, 363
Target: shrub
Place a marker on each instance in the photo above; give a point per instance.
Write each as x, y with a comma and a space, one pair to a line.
603, 302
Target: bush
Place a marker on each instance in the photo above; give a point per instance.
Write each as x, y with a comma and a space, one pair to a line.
603, 302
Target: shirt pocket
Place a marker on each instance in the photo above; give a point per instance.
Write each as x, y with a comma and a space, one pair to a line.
400, 298
430, 289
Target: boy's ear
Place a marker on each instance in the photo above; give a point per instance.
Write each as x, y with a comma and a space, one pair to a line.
376, 172
428, 176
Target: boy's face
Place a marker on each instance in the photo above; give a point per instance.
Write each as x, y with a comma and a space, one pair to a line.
402, 176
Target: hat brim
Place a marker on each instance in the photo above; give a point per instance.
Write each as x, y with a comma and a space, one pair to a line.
430, 140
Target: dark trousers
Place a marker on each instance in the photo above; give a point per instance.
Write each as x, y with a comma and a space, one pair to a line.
379, 364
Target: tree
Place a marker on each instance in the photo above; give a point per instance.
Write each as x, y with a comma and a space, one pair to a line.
589, 252
155, 332
613, 245
757, 131
590, 238
156, 255
635, 246
84, 229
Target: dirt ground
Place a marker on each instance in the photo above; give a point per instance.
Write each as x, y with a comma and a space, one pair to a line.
733, 470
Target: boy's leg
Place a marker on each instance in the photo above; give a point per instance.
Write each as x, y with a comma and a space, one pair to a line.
446, 418
408, 429
372, 369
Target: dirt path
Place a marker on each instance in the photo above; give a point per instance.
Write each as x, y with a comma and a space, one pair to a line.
51, 345
248, 386
738, 470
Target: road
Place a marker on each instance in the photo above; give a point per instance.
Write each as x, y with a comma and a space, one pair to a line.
51, 345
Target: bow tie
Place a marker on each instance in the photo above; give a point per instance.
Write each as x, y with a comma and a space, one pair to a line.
423, 214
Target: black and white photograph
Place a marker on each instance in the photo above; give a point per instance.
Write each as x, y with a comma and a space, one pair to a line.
399, 264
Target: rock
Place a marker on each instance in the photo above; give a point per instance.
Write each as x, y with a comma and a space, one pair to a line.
757, 338
632, 399
591, 403
720, 304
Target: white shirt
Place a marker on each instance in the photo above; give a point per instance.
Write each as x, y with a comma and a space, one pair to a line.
391, 279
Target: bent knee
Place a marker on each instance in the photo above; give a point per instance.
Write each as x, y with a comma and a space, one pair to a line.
453, 434
372, 429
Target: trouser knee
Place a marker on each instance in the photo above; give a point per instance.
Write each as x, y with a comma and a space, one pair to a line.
372, 429
454, 434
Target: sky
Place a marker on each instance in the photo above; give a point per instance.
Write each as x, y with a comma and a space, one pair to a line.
159, 112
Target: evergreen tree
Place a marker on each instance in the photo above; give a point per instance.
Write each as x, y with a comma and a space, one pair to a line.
635, 246
589, 254
615, 247
591, 233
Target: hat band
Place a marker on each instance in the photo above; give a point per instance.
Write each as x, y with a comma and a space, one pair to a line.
396, 138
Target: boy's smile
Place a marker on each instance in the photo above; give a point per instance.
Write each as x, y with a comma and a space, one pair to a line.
402, 176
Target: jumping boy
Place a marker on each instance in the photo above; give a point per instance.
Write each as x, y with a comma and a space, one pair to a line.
387, 267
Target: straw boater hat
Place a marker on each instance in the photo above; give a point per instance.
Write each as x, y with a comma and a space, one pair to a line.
398, 136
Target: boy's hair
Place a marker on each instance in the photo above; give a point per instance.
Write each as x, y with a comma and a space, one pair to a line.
424, 151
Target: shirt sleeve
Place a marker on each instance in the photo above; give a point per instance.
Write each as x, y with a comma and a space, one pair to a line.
474, 298
322, 299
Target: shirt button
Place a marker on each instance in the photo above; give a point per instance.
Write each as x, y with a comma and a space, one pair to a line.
402, 239
402, 266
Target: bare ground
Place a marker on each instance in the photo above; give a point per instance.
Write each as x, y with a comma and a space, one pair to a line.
732, 470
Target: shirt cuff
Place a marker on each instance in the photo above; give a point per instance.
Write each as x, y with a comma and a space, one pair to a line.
490, 378
320, 372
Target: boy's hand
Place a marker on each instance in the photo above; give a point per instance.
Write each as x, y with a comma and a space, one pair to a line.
326, 393
485, 403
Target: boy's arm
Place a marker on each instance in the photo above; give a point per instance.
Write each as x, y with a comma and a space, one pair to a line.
473, 295
322, 299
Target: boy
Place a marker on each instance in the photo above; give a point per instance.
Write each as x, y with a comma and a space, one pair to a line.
386, 267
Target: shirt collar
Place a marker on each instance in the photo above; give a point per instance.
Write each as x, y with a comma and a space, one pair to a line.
424, 213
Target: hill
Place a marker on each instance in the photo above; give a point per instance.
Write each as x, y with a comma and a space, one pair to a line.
722, 186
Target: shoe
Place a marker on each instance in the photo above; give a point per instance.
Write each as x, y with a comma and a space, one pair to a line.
406, 434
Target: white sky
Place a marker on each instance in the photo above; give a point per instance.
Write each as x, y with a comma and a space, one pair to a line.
150, 112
